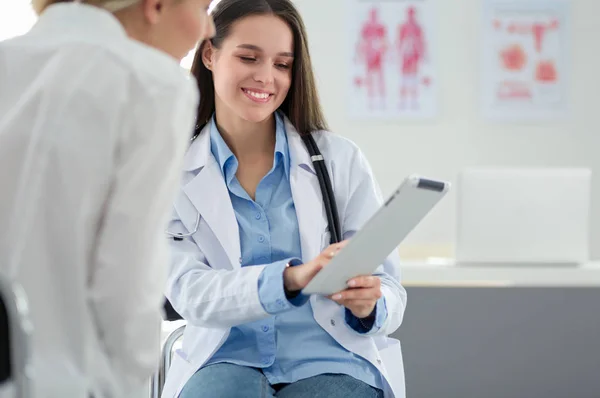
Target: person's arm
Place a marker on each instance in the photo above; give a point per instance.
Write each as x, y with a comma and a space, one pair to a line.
371, 323
130, 263
207, 297
222, 298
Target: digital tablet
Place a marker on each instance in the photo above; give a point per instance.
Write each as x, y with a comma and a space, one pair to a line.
380, 235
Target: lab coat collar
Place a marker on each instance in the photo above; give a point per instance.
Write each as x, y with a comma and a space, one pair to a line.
299, 156
208, 193
199, 154
79, 19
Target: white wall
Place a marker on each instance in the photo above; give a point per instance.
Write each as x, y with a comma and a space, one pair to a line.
460, 137
16, 18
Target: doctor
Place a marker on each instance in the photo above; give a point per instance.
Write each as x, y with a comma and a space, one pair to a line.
94, 119
254, 232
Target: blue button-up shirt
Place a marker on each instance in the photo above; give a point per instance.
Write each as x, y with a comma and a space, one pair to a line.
289, 345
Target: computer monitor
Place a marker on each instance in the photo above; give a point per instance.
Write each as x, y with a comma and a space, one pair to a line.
523, 215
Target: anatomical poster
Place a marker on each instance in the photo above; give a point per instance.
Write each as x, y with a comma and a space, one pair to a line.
525, 59
392, 59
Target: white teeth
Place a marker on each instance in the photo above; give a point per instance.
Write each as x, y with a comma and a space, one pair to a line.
258, 95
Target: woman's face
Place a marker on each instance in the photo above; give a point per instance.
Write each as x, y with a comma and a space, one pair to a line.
252, 71
183, 24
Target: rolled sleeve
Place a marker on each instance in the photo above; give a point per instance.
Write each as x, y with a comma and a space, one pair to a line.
271, 291
370, 324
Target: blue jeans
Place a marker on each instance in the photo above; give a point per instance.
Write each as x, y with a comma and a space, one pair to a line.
224, 380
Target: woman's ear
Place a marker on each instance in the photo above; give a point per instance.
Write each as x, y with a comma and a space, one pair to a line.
208, 55
152, 10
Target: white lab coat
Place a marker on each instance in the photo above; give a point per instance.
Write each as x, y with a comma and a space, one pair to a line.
210, 289
93, 129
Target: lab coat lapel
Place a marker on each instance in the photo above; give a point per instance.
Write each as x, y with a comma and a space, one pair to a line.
307, 196
208, 193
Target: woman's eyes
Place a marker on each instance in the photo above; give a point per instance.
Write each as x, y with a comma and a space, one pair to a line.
252, 59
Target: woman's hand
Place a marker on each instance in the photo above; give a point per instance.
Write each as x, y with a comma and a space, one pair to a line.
362, 295
297, 277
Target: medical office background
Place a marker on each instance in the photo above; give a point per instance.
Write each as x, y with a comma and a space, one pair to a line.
459, 136
479, 341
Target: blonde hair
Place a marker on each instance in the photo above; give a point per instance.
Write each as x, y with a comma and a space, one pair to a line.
109, 5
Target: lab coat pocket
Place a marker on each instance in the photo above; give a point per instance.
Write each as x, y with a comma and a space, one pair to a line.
177, 375
391, 355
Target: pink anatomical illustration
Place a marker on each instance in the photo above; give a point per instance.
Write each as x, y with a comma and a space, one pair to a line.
371, 49
513, 58
411, 46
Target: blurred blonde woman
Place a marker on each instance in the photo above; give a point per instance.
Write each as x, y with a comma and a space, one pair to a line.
95, 115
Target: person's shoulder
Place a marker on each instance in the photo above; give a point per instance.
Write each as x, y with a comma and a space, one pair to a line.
344, 157
153, 69
149, 71
335, 145
136, 66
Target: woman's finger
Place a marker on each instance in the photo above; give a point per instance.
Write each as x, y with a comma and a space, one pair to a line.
365, 281
358, 294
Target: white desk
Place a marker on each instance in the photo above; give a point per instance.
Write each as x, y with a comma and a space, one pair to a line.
501, 333
443, 272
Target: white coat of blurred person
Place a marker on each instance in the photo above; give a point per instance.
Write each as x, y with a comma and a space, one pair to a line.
95, 116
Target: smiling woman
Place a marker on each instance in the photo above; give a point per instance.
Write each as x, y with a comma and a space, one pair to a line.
239, 54
237, 275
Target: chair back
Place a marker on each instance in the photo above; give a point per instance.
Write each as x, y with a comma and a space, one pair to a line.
15, 338
158, 380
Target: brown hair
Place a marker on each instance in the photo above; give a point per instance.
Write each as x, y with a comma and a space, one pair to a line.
302, 104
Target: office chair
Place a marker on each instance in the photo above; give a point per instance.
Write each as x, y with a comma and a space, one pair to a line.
158, 380
170, 313
15, 339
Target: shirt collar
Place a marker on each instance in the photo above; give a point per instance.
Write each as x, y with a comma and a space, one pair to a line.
227, 160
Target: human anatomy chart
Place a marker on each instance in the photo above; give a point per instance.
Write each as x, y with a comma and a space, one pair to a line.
525, 54
392, 72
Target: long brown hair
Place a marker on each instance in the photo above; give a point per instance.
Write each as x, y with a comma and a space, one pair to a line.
302, 104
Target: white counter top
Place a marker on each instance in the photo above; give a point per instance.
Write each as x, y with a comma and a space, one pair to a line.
444, 272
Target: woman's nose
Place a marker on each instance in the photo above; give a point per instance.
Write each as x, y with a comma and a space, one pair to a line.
264, 73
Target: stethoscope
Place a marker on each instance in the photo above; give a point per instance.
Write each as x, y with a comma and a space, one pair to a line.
326, 190
179, 236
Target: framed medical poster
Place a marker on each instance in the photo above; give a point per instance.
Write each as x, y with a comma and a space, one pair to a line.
525, 59
391, 58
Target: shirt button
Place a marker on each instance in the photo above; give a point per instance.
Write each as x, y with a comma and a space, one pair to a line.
240, 260
332, 322
265, 328
266, 361
257, 216
261, 239
280, 302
